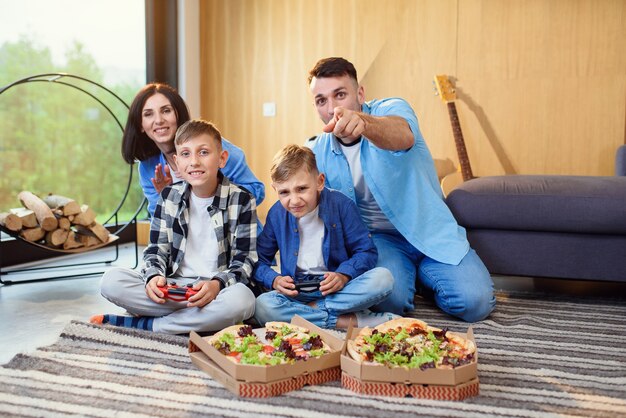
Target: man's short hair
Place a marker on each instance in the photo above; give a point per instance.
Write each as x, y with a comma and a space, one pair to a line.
194, 128
333, 67
289, 160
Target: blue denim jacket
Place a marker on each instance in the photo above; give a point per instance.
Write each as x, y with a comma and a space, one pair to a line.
236, 170
404, 184
347, 247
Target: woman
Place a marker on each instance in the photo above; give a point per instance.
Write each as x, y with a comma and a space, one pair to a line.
155, 113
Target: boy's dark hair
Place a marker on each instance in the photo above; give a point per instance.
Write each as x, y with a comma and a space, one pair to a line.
136, 145
194, 128
333, 67
289, 160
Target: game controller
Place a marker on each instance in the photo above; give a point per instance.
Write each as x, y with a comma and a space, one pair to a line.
177, 293
309, 283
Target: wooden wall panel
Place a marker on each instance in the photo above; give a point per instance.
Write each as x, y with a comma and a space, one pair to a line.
541, 84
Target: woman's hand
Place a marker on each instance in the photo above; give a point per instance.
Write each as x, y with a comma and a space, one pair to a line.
161, 179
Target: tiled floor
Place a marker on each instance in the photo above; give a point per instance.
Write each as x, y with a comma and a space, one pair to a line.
33, 314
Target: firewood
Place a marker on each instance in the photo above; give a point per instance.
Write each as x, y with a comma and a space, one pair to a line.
69, 206
33, 234
88, 240
57, 237
29, 220
94, 230
101, 232
44, 214
71, 241
64, 223
86, 216
10, 221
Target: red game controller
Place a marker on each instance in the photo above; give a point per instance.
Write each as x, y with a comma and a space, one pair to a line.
177, 293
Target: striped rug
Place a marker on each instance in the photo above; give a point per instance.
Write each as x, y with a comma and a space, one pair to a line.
539, 356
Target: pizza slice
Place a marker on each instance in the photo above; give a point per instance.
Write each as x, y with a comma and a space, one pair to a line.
295, 341
240, 344
411, 343
283, 343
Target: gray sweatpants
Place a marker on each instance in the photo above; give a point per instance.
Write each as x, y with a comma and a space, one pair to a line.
126, 288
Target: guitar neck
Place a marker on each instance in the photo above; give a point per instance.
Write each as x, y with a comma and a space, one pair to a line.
466, 169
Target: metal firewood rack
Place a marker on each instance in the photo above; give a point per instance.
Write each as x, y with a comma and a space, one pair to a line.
112, 223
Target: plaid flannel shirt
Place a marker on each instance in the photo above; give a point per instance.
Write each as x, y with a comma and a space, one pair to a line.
233, 213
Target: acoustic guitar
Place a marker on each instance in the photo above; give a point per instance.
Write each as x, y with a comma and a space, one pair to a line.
447, 93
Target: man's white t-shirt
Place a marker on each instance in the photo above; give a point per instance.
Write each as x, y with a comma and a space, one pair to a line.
371, 213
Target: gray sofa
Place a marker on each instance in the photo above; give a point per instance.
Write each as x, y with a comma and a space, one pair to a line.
547, 226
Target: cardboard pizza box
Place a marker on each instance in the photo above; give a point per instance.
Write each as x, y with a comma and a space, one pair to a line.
382, 373
264, 374
415, 390
262, 389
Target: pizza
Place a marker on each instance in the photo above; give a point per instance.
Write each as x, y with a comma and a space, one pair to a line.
411, 343
282, 343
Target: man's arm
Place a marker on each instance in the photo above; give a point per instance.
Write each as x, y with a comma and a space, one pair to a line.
386, 132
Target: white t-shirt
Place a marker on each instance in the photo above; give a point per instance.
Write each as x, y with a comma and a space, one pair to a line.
310, 256
371, 213
201, 249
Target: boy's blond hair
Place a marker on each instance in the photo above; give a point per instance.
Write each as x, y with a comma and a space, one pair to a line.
290, 160
194, 128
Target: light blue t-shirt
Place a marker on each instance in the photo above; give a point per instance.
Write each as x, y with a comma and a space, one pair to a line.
404, 184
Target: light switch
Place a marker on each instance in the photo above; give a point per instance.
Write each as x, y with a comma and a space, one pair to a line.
269, 109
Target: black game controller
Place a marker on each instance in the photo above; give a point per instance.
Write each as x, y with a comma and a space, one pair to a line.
309, 283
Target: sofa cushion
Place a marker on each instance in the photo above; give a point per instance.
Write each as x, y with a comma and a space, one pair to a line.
579, 204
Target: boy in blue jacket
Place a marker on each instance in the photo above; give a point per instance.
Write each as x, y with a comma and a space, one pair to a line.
322, 242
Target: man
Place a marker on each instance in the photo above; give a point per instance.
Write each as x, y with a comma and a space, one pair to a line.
375, 154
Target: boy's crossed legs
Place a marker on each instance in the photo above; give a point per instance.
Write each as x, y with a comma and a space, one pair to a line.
335, 309
126, 288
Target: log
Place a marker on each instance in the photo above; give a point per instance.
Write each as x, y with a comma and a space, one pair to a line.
100, 231
29, 220
71, 241
93, 230
64, 223
33, 234
10, 221
44, 214
88, 240
86, 216
57, 237
69, 206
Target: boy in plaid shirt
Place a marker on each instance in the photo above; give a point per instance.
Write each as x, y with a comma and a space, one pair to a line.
203, 233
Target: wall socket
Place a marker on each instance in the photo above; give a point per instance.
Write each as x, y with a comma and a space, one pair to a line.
269, 109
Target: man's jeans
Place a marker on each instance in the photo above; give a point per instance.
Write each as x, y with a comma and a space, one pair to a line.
464, 290
359, 293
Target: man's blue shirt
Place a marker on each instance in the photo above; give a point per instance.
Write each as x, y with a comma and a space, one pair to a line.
404, 184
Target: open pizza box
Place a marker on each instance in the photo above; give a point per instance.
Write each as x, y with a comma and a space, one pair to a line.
377, 379
263, 381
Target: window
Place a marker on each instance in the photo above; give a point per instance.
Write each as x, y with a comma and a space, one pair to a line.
56, 138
